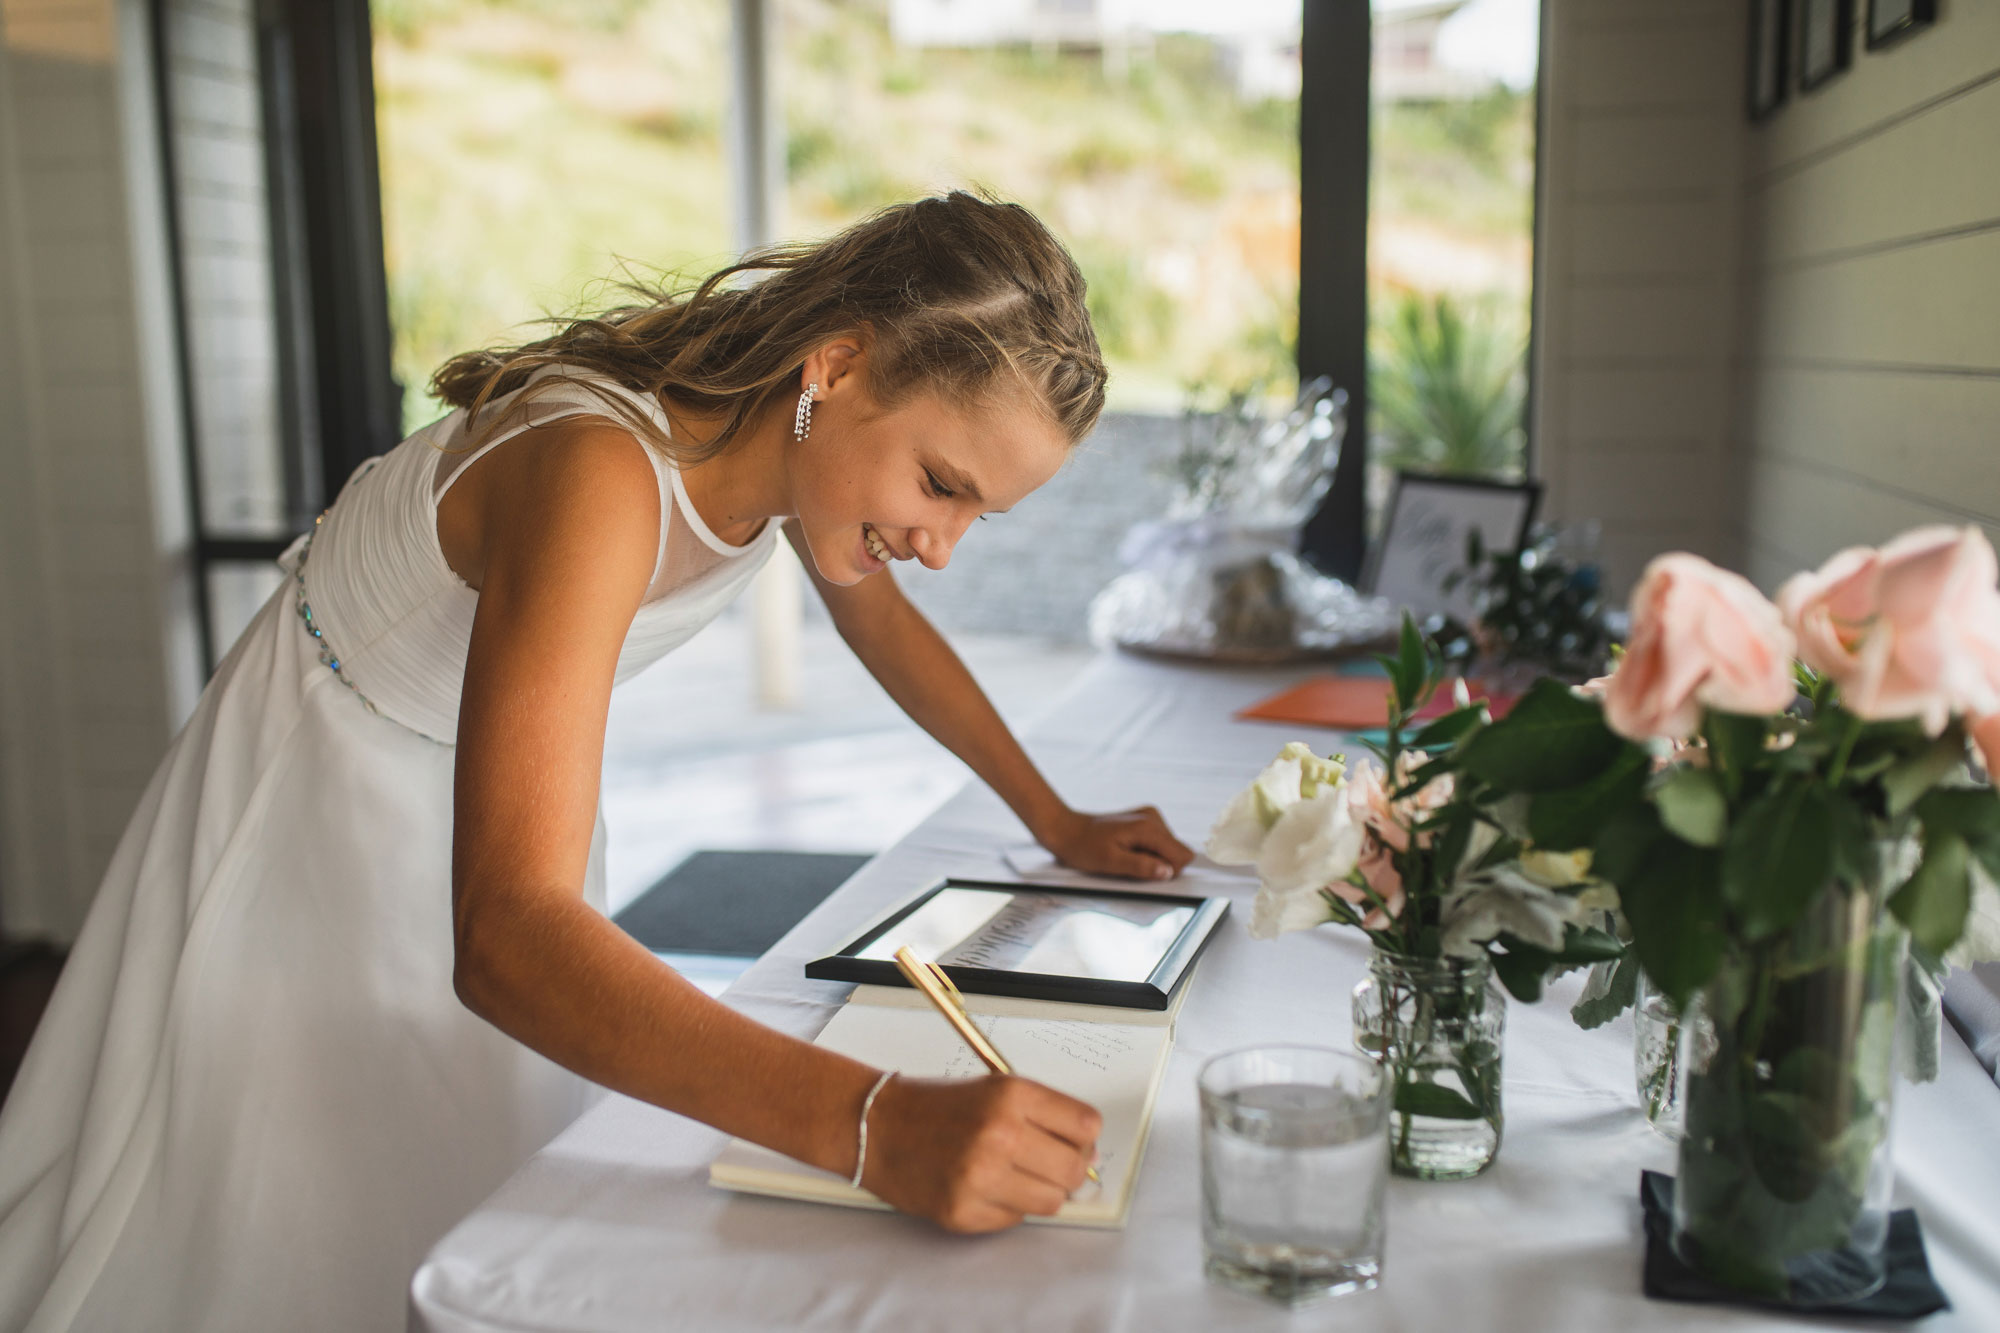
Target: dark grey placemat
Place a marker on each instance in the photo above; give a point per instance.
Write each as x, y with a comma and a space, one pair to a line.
734, 903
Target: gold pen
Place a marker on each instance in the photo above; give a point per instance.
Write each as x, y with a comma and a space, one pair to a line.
935, 986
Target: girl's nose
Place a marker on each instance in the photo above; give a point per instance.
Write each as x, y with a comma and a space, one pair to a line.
933, 544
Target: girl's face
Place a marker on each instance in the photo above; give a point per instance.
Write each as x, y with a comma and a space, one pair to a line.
873, 485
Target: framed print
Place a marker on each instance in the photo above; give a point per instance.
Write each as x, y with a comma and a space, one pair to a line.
1826, 40
1131, 950
1770, 55
1889, 21
1424, 537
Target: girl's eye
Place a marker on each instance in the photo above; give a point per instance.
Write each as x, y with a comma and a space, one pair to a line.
936, 487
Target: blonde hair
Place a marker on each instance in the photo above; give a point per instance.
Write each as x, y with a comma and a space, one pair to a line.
949, 293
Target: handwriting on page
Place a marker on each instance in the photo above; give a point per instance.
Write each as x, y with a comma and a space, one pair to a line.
1095, 1044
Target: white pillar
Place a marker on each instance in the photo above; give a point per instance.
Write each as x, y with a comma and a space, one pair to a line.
757, 168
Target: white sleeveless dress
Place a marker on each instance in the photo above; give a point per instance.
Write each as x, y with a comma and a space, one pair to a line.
254, 1101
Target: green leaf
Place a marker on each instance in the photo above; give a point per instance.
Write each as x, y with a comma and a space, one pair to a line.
1971, 812
1523, 969
1450, 729
1434, 1100
1906, 782
1857, 849
1407, 674
1935, 901
1735, 742
1552, 739
1621, 992
1673, 900
1692, 806
1778, 857
1563, 820
1588, 944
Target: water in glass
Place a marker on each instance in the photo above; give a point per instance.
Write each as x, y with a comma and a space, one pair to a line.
1294, 1167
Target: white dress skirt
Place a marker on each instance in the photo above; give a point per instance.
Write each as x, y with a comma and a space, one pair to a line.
254, 1101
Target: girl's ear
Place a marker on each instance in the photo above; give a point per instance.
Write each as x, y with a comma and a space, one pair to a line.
836, 361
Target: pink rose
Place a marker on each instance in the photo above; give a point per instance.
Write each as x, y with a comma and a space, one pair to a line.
1391, 821
1378, 872
1911, 630
1701, 638
1388, 824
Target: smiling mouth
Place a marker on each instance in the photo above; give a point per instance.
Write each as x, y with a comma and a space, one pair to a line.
876, 546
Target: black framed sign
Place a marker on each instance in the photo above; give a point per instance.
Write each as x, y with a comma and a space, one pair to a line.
1890, 21
1423, 539
1826, 40
1770, 55
1075, 946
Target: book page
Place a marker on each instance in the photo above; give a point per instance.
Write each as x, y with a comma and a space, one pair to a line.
1113, 1067
1109, 1066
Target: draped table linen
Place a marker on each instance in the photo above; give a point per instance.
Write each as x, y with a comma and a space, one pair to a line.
613, 1227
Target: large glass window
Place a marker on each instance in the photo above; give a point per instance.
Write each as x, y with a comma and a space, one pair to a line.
1160, 140
530, 150
1451, 234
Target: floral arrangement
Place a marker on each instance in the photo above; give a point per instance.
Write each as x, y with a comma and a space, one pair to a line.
1745, 754
1783, 795
1433, 862
1418, 850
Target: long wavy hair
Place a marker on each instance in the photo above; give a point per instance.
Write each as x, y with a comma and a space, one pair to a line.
951, 295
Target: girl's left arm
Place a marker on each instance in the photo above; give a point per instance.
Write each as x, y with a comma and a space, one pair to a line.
904, 651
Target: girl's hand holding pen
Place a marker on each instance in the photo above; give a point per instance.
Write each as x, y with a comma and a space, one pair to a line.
976, 1155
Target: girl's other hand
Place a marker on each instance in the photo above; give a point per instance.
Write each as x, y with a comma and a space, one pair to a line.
978, 1154
1136, 844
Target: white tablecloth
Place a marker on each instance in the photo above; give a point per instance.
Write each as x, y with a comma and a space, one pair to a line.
613, 1226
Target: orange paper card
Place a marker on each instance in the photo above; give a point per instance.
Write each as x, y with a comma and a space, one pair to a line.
1356, 703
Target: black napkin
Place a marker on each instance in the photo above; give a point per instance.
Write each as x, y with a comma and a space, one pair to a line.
1910, 1292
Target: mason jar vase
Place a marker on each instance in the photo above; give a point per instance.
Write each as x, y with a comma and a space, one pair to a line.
1436, 1025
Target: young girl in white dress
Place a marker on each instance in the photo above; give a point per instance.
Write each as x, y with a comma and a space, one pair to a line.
350, 967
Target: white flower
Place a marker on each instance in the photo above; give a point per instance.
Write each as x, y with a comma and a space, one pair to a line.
1480, 842
1314, 843
1505, 900
1556, 870
1274, 914
1295, 774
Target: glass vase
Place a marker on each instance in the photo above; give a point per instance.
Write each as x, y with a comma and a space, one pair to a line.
1435, 1024
1785, 1169
1664, 1038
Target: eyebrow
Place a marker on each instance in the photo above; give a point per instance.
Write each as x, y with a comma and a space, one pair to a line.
956, 479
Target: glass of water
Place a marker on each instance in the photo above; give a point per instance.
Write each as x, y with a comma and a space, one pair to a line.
1294, 1164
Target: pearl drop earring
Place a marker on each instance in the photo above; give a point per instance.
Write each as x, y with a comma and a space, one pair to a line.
802, 420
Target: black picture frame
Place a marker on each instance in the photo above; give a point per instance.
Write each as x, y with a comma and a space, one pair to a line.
1155, 992
1400, 567
1890, 21
1770, 57
1826, 41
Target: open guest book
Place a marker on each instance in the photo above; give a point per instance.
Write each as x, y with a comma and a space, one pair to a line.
1112, 1058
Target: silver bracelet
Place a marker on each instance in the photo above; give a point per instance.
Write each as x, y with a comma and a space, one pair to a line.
867, 1105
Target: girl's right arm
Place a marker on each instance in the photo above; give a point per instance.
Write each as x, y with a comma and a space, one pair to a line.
559, 530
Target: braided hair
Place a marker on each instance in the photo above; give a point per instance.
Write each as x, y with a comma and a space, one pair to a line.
954, 295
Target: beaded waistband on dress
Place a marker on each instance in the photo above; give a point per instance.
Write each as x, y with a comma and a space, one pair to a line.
328, 658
